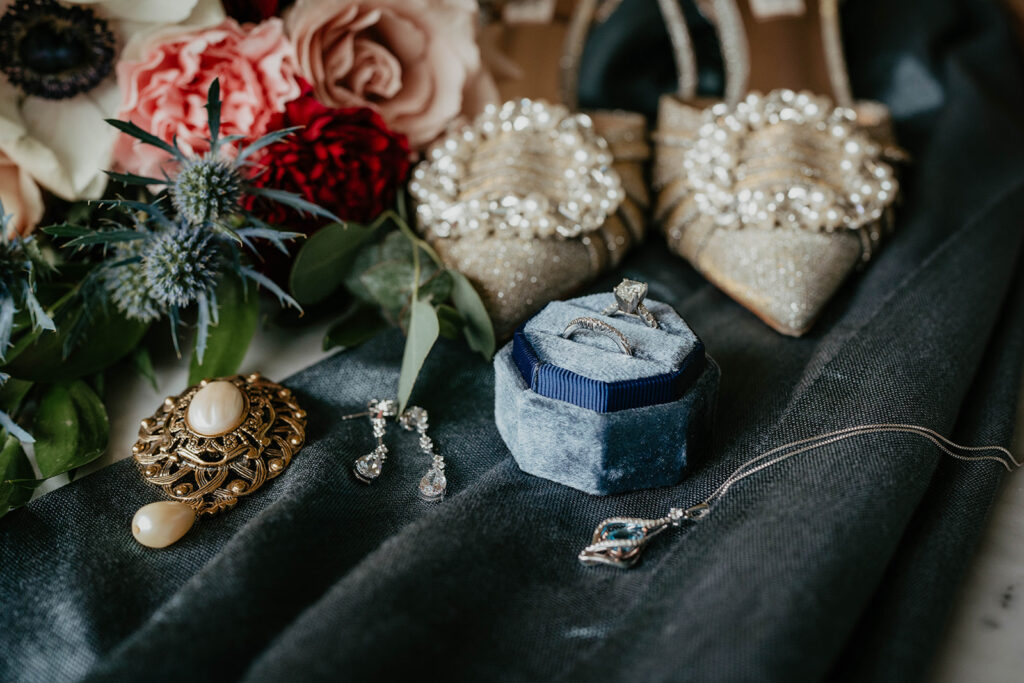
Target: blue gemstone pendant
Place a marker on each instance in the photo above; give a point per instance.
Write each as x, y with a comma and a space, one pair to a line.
619, 541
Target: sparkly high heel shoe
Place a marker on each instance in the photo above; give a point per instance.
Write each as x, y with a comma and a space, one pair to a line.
533, 200
775, 198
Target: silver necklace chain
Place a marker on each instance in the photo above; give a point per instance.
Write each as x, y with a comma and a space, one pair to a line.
619, 541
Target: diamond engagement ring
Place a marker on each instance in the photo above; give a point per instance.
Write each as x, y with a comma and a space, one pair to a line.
600, 327
629, 300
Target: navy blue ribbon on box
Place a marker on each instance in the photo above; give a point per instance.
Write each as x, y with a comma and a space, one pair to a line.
558, 383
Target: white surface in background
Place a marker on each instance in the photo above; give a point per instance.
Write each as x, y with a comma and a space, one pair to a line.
984, 642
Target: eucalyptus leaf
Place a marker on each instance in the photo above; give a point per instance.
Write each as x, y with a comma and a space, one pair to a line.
110, 337
71, 428
395, 246
389, 283
479, 330
229, 339
437, 287
17, 480
325, 260
423, 332
450, 321
359, 325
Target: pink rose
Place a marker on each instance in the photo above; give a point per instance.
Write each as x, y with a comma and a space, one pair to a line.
164, 91
416, 62
21, 198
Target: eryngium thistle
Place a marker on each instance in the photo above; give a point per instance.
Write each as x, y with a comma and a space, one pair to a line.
181, 265
206, 190
126, 284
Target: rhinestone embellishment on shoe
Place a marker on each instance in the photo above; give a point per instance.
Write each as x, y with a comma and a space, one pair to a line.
785, 159
527, 169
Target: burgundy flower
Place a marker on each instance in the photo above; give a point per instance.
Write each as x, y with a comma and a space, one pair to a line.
345, 160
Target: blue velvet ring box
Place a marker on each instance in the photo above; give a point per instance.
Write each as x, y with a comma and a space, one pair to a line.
582, 413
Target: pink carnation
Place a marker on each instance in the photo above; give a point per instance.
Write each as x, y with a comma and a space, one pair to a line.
164, 92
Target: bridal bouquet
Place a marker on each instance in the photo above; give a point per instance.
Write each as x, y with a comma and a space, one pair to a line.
164, 162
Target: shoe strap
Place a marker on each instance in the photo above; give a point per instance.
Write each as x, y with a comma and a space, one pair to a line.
583, 18
725, 16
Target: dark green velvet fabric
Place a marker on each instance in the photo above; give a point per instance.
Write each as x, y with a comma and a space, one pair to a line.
839, 565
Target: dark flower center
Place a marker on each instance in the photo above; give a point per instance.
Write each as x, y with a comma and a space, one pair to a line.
53, 51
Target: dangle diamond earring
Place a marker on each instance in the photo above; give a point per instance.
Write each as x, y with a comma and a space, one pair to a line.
367, 468
433, 484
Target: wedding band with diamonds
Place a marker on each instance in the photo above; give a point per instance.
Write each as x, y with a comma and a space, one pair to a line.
629, 300
600, 327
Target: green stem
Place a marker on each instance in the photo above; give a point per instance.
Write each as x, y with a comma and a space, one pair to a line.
416, 239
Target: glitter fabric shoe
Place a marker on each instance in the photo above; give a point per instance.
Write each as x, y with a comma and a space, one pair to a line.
531, 201
775, 198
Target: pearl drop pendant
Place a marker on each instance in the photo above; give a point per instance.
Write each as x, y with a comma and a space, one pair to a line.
158, 525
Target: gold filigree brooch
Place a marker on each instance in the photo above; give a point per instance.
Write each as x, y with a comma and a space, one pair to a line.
216, 442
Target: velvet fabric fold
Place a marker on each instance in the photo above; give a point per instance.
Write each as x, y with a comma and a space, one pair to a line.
838, 564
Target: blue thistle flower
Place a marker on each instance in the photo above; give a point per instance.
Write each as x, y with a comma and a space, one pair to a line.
166, 263
182, 265
206, 190
20, 260
126, 284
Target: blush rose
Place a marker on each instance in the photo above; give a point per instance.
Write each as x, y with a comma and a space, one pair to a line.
415, 62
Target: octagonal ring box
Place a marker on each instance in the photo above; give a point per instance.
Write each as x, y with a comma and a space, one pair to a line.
582, 413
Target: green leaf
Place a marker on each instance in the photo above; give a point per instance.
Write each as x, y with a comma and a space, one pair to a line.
12, 393
148, 138
396, 246
479, 330
450, 321
294, 201
143, 364
229, 339
213, 112
437, 288
359, 325
325, 260
389, 283
14, 429
265, 141
106, 237
423, 331
133, 179
17, 480
71, 428
110, 337
67, 230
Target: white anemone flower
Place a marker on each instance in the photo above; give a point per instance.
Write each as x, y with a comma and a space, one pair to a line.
58, 82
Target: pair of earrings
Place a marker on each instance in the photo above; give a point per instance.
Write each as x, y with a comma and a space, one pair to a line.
368, 467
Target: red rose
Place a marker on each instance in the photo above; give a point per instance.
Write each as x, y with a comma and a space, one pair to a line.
345, 160
253, 11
